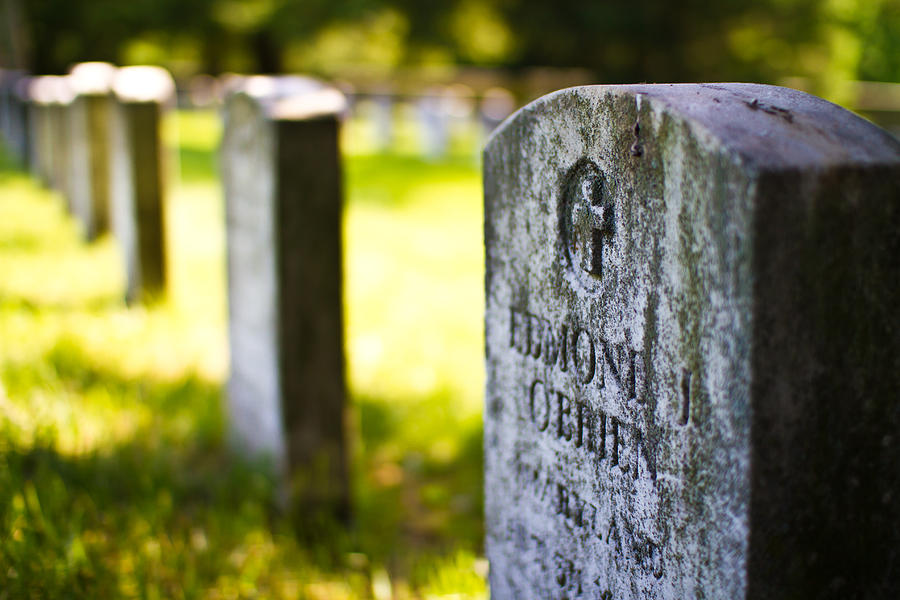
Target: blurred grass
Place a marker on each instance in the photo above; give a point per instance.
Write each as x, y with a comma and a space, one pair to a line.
115, 479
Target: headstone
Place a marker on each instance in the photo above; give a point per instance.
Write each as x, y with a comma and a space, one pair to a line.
433, 123
692, 347
59, 143
52, 97
496, 105
286, 393
6, 87
13, 113
22, 124
383, 120
138, 175
89, 121
36, 126
39, 101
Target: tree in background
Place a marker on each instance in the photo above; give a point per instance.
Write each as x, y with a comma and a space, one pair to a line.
618, 40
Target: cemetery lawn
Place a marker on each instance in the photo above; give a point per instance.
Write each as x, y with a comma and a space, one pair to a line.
115, 476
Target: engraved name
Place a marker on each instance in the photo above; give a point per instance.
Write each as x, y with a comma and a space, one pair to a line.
615, 368
583, 516
593, 359
602, 435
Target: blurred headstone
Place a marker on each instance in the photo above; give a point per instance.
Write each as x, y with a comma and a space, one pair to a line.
383, 120
22, 128
496, 104
138, 175
51, 97
89, 119
40, 98
6, 86
692, 342
282, 179
36, 124
13, 112
458, 108
433, 123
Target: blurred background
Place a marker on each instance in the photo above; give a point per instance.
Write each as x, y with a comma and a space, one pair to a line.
115, 480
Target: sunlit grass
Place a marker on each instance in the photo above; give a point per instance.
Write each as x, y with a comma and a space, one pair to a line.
114, 475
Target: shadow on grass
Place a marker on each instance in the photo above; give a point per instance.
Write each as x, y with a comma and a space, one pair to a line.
168, 511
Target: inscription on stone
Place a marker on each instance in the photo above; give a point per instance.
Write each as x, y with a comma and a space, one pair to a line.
666, 406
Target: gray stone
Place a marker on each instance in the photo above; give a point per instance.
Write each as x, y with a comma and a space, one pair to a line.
692, 347
89, 119
287, 393
138, 175
51, 97
14, 113
433, 123
383, 120
40, 98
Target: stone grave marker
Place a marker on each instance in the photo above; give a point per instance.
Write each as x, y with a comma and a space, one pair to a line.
692, 347
59, 143
89, 119
287, 393
38, 101
383, 119
433, 122
13, 112
37, 124
138, 175
53, 96
496, 105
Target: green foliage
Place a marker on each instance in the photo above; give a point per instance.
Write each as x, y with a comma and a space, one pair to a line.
115, 476
618, 40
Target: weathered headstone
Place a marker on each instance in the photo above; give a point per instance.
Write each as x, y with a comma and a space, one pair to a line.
383, 120
36, 126
496, 105
23, 128
282, 179
89, 121
692, 347
433, 123
51, 97
13, 112
138, 175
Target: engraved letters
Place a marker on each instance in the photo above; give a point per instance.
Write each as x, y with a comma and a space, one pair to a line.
604, 436
594, 360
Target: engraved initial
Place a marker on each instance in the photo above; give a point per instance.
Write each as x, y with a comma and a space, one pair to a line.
591, 218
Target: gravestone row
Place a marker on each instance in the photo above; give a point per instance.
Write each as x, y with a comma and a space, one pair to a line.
94, 136
690, 332
691, 351
96, 139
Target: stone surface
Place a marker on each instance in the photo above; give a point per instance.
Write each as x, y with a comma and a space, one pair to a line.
138, 175
692, 347
14, 115
89, 118
52, 97
281, 172
40, 98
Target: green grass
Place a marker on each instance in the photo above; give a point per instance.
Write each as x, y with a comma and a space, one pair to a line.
115, 478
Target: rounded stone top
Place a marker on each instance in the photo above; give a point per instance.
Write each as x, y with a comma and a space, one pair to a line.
91, 78
143, 84
51, 89
290, 97
761, 126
